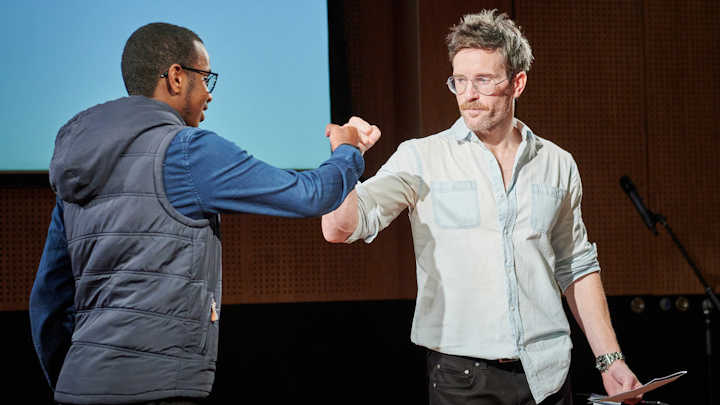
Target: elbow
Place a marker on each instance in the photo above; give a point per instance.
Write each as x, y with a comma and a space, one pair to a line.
331, 237
334, 235
332, 232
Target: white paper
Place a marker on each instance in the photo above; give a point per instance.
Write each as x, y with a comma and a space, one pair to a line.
649, 386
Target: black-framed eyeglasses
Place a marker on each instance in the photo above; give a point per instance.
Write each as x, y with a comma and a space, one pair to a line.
210, 78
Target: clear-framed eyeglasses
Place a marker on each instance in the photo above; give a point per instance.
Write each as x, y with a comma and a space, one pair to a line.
483, 85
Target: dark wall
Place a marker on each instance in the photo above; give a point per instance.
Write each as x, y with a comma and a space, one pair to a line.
360, 353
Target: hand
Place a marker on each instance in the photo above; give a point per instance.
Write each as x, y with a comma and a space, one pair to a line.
618, 378
356, 132
342, 134
369, 134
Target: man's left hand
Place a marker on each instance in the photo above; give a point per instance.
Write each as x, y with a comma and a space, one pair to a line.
618, 378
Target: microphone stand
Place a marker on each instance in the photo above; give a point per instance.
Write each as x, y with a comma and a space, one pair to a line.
707, 304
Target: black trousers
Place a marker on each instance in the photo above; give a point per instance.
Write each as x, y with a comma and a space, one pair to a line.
454, 380
174, 401
170, 401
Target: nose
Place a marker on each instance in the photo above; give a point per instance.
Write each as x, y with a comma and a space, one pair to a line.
471, 94
209, 97
471, 91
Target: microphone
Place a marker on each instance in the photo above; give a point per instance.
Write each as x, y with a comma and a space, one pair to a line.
648, 217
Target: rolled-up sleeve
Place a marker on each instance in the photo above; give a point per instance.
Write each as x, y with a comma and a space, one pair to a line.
384, 196
575, 256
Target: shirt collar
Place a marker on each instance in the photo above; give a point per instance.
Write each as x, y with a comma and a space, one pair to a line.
533, 143
461, 132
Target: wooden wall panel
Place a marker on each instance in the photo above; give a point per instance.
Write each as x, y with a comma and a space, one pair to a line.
369, 29
271, 259
585, 93
683, 64
24, 218
382, 54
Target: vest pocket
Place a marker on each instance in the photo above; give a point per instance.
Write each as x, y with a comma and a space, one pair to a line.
455, 203
209, 325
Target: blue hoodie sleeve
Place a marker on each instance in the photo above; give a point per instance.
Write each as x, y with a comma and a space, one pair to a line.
52, 310
207, 174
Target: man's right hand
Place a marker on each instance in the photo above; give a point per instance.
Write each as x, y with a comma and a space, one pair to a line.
356, 132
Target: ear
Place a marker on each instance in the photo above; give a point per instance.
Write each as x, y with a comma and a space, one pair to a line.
175, 79
519, 82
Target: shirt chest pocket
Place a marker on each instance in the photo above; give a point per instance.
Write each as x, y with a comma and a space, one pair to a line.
455, 203
546, 202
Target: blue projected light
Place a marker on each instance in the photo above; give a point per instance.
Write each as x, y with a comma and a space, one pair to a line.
272, 96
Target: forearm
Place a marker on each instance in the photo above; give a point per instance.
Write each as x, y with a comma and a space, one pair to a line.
206, 174
375, 203
588, 304
341, 223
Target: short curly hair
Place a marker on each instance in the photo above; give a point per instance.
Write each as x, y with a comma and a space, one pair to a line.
490, 29
151, 50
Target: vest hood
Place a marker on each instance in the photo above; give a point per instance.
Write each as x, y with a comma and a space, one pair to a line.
88, 147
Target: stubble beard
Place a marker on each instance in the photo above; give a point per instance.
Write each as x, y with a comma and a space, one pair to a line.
488, 120
484, 123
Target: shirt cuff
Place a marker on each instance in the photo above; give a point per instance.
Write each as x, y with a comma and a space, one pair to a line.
367, 223
350, 145
569, 270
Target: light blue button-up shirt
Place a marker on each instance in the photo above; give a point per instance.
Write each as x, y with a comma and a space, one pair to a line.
491, 263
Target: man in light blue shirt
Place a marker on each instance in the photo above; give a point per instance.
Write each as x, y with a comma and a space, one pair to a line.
498, 237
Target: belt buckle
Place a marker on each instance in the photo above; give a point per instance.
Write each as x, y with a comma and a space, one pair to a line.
506, 360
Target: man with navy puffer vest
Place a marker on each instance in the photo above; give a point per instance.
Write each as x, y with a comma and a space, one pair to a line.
126, 303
